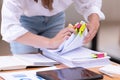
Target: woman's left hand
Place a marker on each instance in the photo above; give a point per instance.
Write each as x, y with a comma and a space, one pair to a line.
92, 27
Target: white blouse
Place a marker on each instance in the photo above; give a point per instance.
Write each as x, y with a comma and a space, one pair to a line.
13, 9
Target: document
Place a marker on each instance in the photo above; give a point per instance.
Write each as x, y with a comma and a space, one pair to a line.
73, 54
24, 61
74, 41
25, 75
80, 57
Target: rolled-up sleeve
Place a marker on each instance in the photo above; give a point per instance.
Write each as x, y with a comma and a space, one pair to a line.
87, 7
11, 28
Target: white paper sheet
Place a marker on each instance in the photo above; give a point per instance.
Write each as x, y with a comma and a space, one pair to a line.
110, 70
25, 75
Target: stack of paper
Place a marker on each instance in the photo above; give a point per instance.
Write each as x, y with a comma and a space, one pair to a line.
80, 57
75, 40
71, 52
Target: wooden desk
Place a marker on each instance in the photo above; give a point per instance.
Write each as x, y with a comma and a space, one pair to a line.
106, 77
96, 69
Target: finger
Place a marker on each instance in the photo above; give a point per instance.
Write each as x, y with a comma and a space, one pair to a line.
66, 37
65, 34
67, 30
92, 31
68, 33
89, 37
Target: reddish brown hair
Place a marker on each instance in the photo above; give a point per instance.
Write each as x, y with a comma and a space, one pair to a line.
46, 3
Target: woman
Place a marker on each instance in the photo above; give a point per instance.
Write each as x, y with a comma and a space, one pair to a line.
31, 24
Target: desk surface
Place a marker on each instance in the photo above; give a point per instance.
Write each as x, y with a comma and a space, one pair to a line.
96, 69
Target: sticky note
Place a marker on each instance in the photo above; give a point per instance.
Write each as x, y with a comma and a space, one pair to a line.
78, 25
70, 25
82, 28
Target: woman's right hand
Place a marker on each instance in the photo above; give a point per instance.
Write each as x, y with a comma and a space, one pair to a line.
63, 35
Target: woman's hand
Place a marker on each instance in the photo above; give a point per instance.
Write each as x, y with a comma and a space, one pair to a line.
92, 26
60, 37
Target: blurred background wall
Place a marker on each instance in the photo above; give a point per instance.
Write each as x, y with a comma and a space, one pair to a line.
0, 9
108, 35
